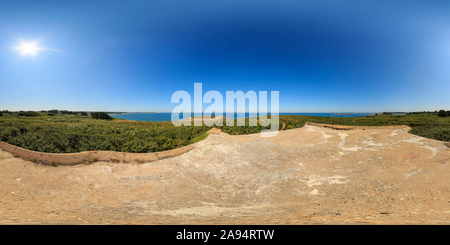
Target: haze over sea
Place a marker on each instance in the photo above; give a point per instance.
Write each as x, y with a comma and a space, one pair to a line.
161, 117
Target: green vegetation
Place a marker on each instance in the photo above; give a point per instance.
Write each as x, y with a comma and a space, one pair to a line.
32, 114
138, 160
427, 125
67, 133
99, 115
90, 161
77, 132
442, 113
199, 138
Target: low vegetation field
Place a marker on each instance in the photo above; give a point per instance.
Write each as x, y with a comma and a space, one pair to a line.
69, 133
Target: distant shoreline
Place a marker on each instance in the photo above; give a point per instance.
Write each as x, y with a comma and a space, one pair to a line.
160, 116
196, 119
128, 113
346, 114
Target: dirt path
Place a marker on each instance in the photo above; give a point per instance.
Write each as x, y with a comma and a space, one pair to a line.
307, 175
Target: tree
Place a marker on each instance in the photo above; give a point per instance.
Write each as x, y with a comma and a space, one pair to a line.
66, 112
101, 115
1, 114
442, 113
448, 113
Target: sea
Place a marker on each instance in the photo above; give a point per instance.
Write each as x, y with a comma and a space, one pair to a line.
162, 117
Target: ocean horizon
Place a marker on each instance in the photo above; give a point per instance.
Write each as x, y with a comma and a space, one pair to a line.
163, 117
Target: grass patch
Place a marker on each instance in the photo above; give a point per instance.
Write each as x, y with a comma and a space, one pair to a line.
199, 138
138, 161
90, 161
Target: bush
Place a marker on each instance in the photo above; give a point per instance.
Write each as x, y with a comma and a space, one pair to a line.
64, 112
1, 114
442, 113
31, 114
101, 115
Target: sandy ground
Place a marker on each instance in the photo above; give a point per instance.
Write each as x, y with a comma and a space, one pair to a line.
310, 175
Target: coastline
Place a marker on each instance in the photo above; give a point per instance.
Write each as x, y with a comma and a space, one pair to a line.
166, 117
196, 119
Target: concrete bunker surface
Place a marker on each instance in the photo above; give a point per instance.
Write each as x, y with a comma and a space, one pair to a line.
310, 174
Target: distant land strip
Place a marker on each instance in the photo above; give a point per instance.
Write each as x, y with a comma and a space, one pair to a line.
345, 127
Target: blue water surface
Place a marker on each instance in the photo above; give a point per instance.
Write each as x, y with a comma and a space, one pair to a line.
162, 117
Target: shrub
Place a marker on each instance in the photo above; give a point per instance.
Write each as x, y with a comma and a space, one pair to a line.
101, 115
64, 112
442, 113
1, 114
91, 161
31, 114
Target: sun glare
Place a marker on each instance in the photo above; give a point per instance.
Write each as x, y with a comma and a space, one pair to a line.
32, 49
29, 48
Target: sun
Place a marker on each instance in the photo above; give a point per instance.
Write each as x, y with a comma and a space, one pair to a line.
29, 48
32, 49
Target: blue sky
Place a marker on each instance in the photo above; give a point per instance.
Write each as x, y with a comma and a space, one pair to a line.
322, 56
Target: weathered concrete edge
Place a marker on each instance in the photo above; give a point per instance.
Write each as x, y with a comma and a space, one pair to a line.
90, 156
